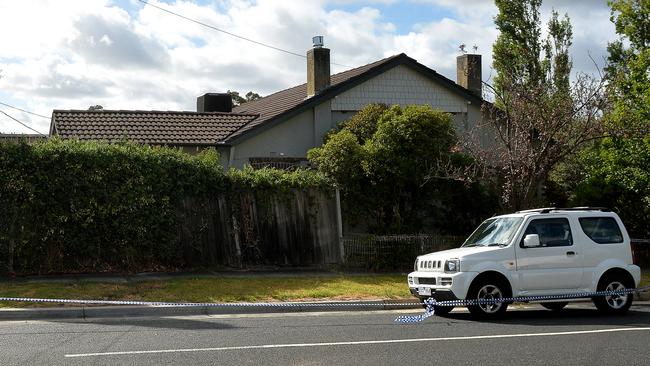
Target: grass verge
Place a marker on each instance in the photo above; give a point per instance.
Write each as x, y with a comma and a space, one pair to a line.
218, 289
224, 289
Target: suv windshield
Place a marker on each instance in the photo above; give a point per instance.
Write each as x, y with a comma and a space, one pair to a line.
494, 232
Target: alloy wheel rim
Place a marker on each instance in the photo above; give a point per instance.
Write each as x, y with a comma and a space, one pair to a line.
489, 292
616, 301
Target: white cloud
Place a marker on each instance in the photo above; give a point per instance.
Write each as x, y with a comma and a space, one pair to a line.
76, 53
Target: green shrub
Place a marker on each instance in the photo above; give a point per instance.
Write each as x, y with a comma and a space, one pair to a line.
73, 206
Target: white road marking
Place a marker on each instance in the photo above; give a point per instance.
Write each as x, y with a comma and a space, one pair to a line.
355, 343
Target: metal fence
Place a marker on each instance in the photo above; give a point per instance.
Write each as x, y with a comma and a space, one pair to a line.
393, 252
398, 252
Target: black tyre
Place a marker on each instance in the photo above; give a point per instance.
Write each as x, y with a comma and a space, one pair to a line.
615, 304
488, 289
555, 306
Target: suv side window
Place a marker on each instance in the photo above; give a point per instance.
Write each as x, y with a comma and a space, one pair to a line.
553, 232
602, 230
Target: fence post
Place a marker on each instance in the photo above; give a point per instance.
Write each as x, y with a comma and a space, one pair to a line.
339, 225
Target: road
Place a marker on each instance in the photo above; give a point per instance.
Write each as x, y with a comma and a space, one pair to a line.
529, 336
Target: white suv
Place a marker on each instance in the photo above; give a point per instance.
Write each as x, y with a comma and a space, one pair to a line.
545, 251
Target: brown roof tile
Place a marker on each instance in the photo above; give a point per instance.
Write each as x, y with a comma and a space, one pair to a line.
151, 127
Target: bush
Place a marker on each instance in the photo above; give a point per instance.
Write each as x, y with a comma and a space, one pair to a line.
73, 206
400, 170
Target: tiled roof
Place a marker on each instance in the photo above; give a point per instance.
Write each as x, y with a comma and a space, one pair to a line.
293, 100
277, 103
149, 127
192, 128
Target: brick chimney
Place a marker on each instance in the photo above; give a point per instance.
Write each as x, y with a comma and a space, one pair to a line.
318, 67
214, 102
468, 73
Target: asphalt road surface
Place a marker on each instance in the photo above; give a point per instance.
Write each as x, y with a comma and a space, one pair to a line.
577, 335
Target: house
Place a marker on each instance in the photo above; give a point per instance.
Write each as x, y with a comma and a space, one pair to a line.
280, 128
190, 131
29, 138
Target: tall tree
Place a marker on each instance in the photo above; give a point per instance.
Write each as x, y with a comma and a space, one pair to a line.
628, 68
615, 172
539, 116
238, 99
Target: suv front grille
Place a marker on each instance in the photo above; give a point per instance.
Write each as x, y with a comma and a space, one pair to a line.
430, 265
426, 281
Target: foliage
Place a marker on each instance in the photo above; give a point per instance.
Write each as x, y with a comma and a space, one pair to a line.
363, 124
269, 178
616, 175
238, 99
539, 116
383, 159
69, 205
628, 68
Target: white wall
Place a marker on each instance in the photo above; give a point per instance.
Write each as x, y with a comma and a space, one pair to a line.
291, 138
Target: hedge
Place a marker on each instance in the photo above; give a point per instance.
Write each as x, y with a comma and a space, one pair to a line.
75, 206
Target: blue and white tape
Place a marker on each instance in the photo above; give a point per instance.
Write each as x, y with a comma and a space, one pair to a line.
210, 304
431, 303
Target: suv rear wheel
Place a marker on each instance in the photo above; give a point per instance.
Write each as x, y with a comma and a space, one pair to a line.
488, 289
613, 304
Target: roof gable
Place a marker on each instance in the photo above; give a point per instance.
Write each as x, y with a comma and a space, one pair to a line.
287, 103
149, 127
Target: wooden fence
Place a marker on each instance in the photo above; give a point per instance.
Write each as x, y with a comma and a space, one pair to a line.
257, 229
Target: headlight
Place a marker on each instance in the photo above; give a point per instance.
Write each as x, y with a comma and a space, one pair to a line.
415, 265
452, 265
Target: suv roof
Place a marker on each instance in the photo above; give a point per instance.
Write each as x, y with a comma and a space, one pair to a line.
549, 209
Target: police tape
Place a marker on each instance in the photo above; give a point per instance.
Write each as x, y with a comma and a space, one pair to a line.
211, 304
431, 303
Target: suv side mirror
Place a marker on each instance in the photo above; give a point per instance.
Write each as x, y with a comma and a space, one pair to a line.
531, 241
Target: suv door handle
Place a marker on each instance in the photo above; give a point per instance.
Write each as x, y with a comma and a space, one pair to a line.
570, 253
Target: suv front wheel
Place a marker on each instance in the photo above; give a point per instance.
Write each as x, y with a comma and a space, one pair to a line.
488, 289
613, 304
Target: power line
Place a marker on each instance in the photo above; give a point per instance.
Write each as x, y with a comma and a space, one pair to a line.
24, 125
232, 34
22, 110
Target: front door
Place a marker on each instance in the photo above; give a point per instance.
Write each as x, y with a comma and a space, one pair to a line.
553, 266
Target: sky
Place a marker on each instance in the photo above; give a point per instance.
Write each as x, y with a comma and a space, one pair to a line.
123, 54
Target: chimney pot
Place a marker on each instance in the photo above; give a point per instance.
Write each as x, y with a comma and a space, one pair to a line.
214, 102
468, 73
317, 41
